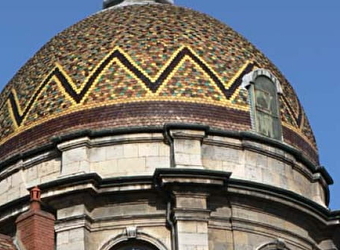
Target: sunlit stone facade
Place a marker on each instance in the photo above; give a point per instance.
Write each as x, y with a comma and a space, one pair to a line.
140, 126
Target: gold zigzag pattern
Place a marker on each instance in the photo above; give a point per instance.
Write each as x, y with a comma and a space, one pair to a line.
153, 85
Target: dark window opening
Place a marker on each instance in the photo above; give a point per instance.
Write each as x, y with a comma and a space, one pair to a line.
134, 245
266, 107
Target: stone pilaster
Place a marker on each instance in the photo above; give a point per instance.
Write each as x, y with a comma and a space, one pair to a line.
189, 190
75, 159
191, 217
187, 148
72, 228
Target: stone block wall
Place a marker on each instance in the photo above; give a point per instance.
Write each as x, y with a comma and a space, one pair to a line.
120, 192
141, 154
262, 164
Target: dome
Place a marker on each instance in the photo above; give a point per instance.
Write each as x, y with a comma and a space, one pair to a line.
141, 67
153, 126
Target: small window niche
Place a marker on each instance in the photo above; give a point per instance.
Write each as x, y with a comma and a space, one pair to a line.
134, 244
278, 244
264, 89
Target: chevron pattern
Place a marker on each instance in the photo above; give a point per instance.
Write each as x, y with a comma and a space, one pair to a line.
152, 84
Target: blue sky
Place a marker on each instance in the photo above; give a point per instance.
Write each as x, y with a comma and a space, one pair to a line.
301, 37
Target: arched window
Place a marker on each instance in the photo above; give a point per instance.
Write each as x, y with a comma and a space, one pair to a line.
263, 91
278, 244
133, 244
132, 239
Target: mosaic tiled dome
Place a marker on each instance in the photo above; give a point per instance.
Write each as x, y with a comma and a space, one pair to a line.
140, 66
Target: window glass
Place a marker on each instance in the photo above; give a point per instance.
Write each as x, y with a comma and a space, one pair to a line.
267, 120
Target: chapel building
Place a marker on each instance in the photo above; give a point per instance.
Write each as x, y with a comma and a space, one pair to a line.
149, 126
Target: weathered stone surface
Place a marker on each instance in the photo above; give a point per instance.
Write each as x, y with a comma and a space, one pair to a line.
219, 219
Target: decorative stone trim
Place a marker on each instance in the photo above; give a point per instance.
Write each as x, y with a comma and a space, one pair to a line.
131, 232
182, 177
139, 236
278, 244
250, 78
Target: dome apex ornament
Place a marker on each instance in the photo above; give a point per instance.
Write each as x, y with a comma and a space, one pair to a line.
118, 3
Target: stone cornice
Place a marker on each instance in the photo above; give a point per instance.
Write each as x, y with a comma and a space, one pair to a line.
98, 185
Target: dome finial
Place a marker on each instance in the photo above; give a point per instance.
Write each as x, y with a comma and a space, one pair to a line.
111, 3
